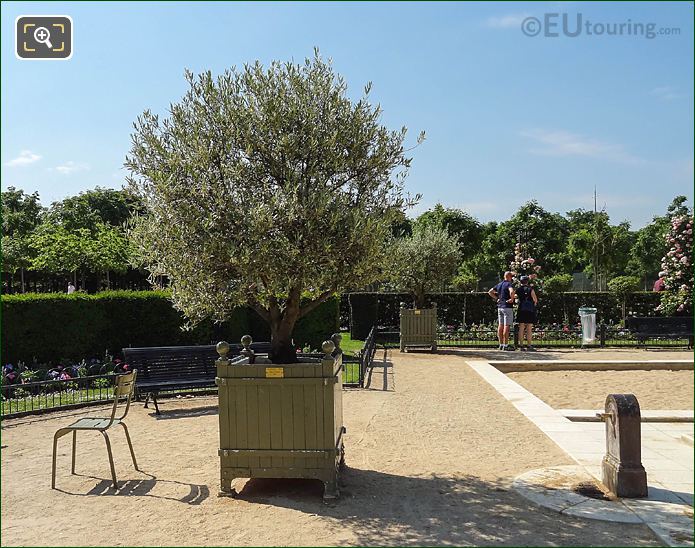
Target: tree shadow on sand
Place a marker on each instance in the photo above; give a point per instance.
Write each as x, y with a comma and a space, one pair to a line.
386, 509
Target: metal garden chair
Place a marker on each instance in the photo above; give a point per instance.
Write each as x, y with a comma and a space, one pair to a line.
122, 391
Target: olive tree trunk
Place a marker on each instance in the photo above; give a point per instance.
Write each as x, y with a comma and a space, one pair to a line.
282, 322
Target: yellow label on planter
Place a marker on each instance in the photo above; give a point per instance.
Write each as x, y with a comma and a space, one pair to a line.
417, 312
274, 372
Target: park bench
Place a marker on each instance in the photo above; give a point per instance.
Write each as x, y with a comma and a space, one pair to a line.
671, 327
168, 368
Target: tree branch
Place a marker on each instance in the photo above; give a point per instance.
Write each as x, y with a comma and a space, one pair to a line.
312, 305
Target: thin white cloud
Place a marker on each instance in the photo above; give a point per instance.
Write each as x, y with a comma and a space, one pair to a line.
25, 158
512, 20
71, 167
565, 143
665, 93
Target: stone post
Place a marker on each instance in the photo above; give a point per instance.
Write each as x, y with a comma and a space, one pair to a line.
623, 473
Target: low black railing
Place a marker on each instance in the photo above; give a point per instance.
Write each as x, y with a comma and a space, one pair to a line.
32, 397
356, 366
485, 336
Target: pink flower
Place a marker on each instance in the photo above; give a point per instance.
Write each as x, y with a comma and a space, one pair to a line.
531, 260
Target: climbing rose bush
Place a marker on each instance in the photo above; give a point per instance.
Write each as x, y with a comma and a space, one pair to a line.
678, 264
525, 266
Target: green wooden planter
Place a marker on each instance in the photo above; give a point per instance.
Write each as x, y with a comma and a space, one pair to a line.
418, 327
281, 421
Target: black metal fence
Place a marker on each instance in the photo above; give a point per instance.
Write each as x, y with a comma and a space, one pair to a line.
356, 366
33, 397
552, 336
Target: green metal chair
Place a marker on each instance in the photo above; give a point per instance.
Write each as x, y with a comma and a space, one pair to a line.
122, 391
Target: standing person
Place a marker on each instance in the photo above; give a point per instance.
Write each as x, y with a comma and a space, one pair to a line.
528, 301
660, 284
71, 288
503, 293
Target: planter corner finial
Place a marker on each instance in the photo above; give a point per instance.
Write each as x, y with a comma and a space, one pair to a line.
328, 347
222, 349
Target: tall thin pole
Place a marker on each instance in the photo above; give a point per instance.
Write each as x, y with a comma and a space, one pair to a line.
597, 272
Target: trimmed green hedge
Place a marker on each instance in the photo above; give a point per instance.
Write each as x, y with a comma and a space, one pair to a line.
455, 309
51, 326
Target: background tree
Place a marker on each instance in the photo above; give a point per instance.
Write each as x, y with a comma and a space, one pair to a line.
108, 251
602, 250
91, 208
21, 213
621, 287
464, 227
61, 251
465, 280
543, 234
424, 262
267, 187
558, 283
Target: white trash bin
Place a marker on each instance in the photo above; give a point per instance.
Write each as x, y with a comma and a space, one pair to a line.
587, 315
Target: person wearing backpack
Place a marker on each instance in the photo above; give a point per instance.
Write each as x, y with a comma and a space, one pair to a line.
526, 315
503, 294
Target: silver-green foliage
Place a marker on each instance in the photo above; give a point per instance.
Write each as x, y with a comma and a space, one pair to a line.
267, 187
424, 262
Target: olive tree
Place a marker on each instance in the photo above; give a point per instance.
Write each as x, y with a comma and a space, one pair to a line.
424, 262
266, 187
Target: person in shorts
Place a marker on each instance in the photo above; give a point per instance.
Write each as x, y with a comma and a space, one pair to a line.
503, 293
526, 315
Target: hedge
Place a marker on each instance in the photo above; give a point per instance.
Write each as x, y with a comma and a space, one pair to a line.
455, 309
53, 326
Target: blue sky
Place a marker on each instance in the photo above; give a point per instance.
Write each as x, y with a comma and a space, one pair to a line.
508, 117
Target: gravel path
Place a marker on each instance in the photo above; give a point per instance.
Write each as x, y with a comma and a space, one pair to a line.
431, 448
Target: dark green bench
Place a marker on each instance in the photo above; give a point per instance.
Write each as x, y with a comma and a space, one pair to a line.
667, 327
167, 368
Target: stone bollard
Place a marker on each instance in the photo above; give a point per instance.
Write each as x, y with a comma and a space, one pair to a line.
623, 473
246, 341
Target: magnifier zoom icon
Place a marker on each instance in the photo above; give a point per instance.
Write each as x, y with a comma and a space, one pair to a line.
43, 36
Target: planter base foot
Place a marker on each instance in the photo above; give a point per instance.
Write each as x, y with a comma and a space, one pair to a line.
226, 489
330, 491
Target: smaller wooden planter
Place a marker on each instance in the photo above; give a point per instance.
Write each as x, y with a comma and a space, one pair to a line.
280, 421
418, 327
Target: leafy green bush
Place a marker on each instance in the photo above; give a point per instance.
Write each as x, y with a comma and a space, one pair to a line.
465, 281
622, 285
559, 283
49, 326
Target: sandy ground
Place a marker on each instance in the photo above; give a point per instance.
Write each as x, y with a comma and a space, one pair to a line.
588, 389
431, 451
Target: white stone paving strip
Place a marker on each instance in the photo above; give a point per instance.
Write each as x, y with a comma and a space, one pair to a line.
666, 456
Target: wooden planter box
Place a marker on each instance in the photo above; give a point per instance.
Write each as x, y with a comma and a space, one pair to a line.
418, 327
281, 421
